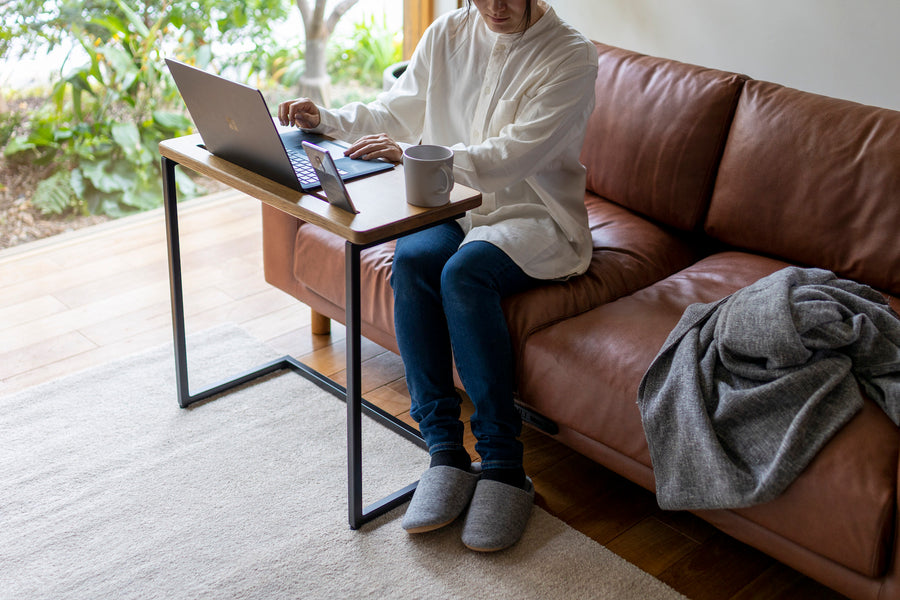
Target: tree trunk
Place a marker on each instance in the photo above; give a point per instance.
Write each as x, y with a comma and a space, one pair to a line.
315, 83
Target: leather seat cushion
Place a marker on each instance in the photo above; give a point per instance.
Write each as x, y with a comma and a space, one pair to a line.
842, 505
630, 252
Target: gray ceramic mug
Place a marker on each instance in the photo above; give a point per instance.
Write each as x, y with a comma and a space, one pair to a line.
429, 175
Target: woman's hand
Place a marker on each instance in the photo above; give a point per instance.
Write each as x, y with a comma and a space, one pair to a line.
301, 112
375, 146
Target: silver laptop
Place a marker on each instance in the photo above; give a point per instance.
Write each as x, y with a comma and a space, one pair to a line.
235, 124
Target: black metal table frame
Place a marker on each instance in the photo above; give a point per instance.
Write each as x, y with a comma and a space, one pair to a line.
352, 394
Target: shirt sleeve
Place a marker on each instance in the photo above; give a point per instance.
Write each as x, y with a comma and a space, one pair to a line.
398, 112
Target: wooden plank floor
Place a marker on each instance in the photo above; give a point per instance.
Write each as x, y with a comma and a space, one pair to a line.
84, 298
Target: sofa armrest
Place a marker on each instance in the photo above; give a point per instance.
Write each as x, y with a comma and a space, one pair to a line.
279, 232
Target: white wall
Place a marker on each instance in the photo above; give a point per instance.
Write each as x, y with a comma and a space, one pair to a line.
843, 48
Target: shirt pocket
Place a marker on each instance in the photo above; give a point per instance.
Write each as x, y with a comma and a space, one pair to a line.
504, 114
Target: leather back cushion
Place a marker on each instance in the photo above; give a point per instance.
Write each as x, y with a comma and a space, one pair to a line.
813, 180
656, 134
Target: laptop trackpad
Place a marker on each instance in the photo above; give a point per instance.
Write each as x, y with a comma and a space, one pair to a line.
293, 139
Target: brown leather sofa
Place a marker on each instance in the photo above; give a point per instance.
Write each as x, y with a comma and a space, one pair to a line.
699, 183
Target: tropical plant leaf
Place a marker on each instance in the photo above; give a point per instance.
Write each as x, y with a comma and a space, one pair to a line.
142, 199
171, 121
17, 145
133, 18
121, 63
106, 176
186, 186
128, 137
76, 180
54, 194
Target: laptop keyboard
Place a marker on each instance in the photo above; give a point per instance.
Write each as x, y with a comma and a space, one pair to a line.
304, 169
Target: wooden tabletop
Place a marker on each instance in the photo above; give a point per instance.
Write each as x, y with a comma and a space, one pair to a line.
380, 198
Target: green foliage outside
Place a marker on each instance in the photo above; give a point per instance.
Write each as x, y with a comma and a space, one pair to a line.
99, 129
371, 49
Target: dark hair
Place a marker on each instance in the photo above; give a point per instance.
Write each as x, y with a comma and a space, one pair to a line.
526, 20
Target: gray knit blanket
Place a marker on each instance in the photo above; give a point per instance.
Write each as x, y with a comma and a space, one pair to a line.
746, 391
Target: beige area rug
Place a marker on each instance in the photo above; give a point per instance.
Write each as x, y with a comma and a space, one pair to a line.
109, 490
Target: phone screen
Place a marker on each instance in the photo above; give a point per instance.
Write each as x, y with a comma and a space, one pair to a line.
332, 184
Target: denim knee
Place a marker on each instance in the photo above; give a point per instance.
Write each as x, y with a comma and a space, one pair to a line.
458, 283
404, 265
480, 272
421, 256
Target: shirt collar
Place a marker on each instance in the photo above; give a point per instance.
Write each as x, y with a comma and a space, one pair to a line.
512, 38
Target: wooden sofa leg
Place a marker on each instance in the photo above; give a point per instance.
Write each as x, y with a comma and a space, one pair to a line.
321, 325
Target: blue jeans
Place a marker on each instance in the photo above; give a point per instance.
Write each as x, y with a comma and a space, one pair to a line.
446, 307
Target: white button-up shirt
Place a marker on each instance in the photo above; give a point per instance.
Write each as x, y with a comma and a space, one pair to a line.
513, 107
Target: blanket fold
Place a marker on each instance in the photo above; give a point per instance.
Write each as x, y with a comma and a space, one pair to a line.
745, 391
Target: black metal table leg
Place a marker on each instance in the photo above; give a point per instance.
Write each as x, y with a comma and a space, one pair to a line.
354, 385
182, 384
357, 515
175, 287
185, 397
352, 394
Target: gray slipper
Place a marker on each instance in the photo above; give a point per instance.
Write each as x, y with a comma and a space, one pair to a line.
497, 515
442, 495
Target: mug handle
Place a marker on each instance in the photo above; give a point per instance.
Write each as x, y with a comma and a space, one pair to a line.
447, 172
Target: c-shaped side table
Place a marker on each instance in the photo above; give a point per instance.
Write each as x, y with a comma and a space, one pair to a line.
384, 215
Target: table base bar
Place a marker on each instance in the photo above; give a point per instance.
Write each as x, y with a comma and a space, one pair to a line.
360, 516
